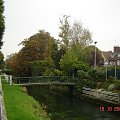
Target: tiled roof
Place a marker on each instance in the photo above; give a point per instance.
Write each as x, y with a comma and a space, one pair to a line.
107, 54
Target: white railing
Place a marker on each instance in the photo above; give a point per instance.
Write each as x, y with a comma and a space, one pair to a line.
8, 78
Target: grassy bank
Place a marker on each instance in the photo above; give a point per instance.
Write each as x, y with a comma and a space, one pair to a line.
20, 106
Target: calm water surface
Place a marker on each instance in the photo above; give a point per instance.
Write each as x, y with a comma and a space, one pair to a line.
61, 107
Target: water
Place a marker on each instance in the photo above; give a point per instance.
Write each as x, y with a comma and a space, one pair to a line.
62, 107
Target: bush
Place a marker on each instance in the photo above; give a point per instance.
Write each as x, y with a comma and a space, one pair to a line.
57, 72
108, 82
117, 85
97, 75
7, 71
48, 72
82, 74
111, 80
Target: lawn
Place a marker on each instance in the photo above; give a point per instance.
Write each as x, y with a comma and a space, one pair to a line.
20, 106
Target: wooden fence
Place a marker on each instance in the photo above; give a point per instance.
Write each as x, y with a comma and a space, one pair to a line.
102, 95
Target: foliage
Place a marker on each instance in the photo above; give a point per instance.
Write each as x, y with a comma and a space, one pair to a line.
58, 56
79, 35
2, 23
117, 85
40, 46
64, 30
43, 67
82, 74
1, 59
88, 55
70, 63
111, 80
73, 34
57, 72
1, 56
97, 75
11, 64
48, 72
37, 68
108, 82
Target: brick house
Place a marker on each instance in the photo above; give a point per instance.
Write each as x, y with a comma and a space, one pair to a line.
112, 58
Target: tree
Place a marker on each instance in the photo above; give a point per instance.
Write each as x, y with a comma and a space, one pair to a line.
11, 64
88, 54
64, 33
2, 24
57, 57
1, 60
40, 46
1, 57
70, 63
79, 35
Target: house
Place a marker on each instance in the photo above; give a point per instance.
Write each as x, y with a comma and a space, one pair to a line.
112, 58
106, 56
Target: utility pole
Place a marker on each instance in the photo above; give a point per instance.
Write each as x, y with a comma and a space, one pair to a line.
95, 55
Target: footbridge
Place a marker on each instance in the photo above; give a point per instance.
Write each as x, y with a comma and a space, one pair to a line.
44, 81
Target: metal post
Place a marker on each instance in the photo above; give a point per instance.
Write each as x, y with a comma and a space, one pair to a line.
106, 72
95, 55
115, 72
10, 79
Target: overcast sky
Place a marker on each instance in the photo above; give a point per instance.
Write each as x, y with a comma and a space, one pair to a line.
24, 18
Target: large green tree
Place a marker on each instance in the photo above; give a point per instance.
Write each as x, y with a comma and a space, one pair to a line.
40, 46
70, 62
2, 24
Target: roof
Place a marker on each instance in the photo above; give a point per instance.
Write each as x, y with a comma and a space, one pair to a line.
107, 54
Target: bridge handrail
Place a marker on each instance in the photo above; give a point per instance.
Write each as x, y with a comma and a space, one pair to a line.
44, 76
42, 79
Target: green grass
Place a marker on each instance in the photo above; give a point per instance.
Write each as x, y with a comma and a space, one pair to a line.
20, 106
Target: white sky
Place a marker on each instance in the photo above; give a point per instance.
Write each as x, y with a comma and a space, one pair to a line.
24, 18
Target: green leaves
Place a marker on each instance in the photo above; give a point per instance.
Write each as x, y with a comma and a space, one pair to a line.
39, 47
2, 24
70, 62
88, 54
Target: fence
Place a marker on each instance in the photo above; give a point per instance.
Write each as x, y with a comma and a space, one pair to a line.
112, 73
8, 78
102, 95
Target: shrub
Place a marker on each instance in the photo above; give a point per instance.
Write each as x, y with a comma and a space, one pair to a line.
97, 75
117, 85
82, 74
111, 80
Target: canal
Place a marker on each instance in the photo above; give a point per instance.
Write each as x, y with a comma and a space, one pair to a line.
66, 107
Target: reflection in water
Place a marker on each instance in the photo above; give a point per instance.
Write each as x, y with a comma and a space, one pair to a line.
61, 107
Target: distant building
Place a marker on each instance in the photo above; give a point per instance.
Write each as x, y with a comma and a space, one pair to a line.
106, 56
112, 58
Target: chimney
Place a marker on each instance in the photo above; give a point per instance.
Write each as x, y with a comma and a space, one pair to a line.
116, 49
